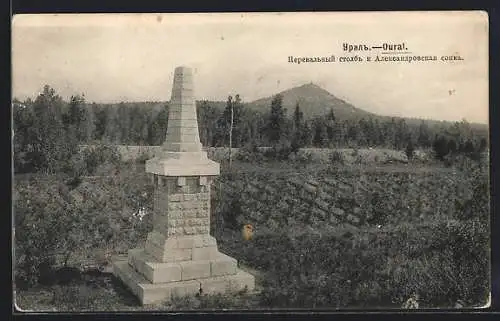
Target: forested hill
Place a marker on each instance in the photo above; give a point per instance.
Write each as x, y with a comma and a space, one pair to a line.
145, 123
153, 107
313, 101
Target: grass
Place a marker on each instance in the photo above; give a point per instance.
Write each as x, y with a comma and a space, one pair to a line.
303, 265
372, 269
103, 292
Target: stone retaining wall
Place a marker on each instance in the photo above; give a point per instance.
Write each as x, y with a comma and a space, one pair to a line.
317, 154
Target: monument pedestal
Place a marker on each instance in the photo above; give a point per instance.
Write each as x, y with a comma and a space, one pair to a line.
156, 282
180, 256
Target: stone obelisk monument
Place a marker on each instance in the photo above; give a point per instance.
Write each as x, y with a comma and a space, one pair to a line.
180, 256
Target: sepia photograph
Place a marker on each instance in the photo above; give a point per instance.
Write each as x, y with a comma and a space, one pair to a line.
250, 161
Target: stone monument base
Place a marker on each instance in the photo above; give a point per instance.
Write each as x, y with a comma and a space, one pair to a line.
155, 282
180, 256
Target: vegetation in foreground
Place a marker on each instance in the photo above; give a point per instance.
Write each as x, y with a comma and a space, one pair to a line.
360, 238
47, 131
301, 261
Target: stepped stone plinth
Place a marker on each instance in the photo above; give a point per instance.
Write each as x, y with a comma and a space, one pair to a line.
180, 256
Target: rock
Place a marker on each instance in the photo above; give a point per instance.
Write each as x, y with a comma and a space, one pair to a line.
310, 188
338, 211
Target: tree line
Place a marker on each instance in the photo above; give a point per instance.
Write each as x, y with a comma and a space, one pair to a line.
48, 130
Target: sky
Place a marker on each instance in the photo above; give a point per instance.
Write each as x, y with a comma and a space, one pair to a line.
132, 57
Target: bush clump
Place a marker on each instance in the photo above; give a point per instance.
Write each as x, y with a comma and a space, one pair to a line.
280, 151
95, 156
249, 153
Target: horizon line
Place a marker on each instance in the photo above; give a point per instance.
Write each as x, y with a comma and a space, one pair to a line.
305, 83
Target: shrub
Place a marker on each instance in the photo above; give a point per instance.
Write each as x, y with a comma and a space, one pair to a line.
359, 160
295, 145
94, 156
92, 160
440, 147
249, 153
304, 157
51, 227
39, 225
143, 157
75, 169
231, 211
337, 158
410, 150
280, 151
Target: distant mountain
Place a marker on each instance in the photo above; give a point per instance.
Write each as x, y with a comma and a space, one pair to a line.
313, 101
316, 101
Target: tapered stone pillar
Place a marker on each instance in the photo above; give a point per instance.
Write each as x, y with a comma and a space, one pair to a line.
180, 256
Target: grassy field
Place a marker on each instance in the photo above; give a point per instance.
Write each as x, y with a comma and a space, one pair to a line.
103, 292
351, 236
